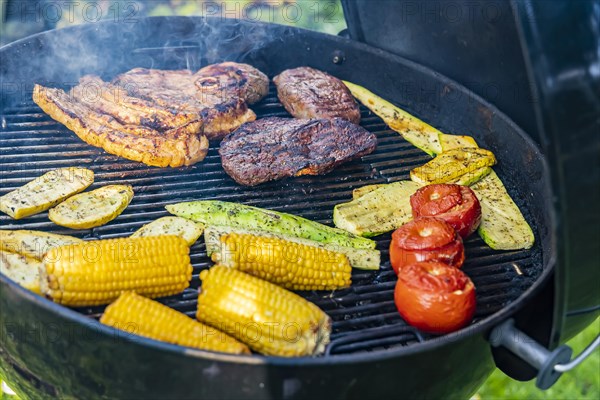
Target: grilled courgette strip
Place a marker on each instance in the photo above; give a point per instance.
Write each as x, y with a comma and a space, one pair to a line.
213, 212
45, 191
500, 228
33, 244
94, 208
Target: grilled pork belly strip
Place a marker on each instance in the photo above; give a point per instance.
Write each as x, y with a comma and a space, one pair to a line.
174, 148
309, 93
274, 148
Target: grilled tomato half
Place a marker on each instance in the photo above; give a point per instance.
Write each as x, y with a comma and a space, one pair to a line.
455, 204
435, 297
426, 239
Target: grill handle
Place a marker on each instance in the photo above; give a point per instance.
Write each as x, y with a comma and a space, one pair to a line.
550, 364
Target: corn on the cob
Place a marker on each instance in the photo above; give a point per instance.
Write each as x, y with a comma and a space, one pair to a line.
144, 317
268, 318
97, 272
290, 265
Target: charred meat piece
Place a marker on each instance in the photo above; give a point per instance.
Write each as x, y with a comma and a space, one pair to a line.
217, 93
309, 93
174, 147
114, 101
234, 79
274, 148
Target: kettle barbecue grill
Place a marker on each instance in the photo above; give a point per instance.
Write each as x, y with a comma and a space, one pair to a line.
544, 294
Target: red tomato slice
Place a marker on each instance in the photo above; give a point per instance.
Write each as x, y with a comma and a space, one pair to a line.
455, 204
426, 239
435, 297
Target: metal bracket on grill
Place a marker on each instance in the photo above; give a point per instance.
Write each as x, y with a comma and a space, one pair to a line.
550, 364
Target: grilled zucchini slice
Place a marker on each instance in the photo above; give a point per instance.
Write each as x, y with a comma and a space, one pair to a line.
452, 165
45, 191
33, 244
412, 129
502, 227
214, 212
368, 259
361, 191
381, 210
449, 142
23, 270
190, 231
91, 209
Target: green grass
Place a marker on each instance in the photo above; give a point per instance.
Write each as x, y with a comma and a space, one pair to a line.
581, 383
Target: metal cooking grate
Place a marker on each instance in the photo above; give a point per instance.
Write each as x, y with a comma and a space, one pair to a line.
365, 318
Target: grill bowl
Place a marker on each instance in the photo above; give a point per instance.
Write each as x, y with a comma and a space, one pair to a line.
371, 345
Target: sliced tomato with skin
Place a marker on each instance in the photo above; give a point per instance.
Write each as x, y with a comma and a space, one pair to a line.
426, 239
455, 204
435, 297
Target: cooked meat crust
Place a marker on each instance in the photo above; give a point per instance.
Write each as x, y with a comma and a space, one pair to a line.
309, 93
274, 148
234, 79
219, 93
175, 147
114, 101
161, 118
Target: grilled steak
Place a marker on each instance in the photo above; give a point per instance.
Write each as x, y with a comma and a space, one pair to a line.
219, 93
309, 93
274, 148
174, 147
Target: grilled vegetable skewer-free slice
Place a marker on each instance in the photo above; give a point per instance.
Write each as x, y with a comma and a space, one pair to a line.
379, 211
452, 164
450, 142
455, 204
45, 191
287, 264
502, 227
435, 297
190, 231
361, 191
506, 230
274, 321
212, 212
33, 244
412, 129
144, 317
426, 239
368, 259
97, 272
21, 269
91, 209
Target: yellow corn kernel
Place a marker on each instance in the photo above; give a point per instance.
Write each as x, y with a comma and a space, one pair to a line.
290, 265
144, 317
268, 318
97, 272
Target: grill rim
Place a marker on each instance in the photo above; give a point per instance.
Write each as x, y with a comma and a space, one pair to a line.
482, 326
